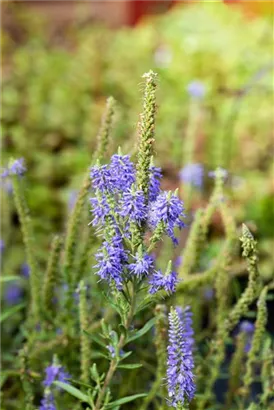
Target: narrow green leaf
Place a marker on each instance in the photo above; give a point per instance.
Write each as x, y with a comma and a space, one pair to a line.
95, 338
125, 355
125, 400
130, 366
72, 391
8, 313
9, 278
142, 331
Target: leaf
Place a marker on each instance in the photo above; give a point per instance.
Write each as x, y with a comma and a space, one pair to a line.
94, 338
130, 366
8, 313
142, 331
72, 390
125, 400
9, 278
125, 355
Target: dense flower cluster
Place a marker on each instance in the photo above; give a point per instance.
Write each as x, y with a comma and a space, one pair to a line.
192, 174
248, 328
53, 372
119, 208
16, 167
180, 378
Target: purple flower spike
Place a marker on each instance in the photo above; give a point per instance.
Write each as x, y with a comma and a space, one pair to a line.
155, 181
133, 206
247, 327
158, 281
100, 209
110, 264
196, 89
169, 209
55, 372
47, 403
101, 178
123, 172
142, 265
17, 167
192, 174
180, 378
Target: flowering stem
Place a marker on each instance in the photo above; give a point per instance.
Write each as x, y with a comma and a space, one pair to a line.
71, 240
51, 277
26, 226
114, 363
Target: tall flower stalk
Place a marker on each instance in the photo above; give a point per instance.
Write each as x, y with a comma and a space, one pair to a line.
180, 364
127, 202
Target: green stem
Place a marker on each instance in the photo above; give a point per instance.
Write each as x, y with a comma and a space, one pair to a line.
114, 363
29, 241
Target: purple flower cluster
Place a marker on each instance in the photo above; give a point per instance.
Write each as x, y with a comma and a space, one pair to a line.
17, 167
180, 364
110, 262
160, 281
248, 328
134, 206
192, 174
13, 294
142, 266
53, 372
47, 403
118, 207
168, 209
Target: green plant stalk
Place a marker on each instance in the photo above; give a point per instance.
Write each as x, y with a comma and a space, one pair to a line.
72, 239
253, 287
189, 145
267, 377
190, 254
84, 339
84, 257
252, 355
114, 363
145, 147
217, 351
146, 133
29, 241
105, 130
26, 380
74, 225
235, 369
51, 277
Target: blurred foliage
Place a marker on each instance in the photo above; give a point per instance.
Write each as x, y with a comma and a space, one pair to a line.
55, 86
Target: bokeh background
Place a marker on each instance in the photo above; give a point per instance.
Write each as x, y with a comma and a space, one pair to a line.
62, 59
60, 62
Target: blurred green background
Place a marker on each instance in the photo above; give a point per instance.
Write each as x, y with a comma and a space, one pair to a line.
56, 81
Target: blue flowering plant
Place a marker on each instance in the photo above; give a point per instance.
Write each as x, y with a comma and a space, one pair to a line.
111, 303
